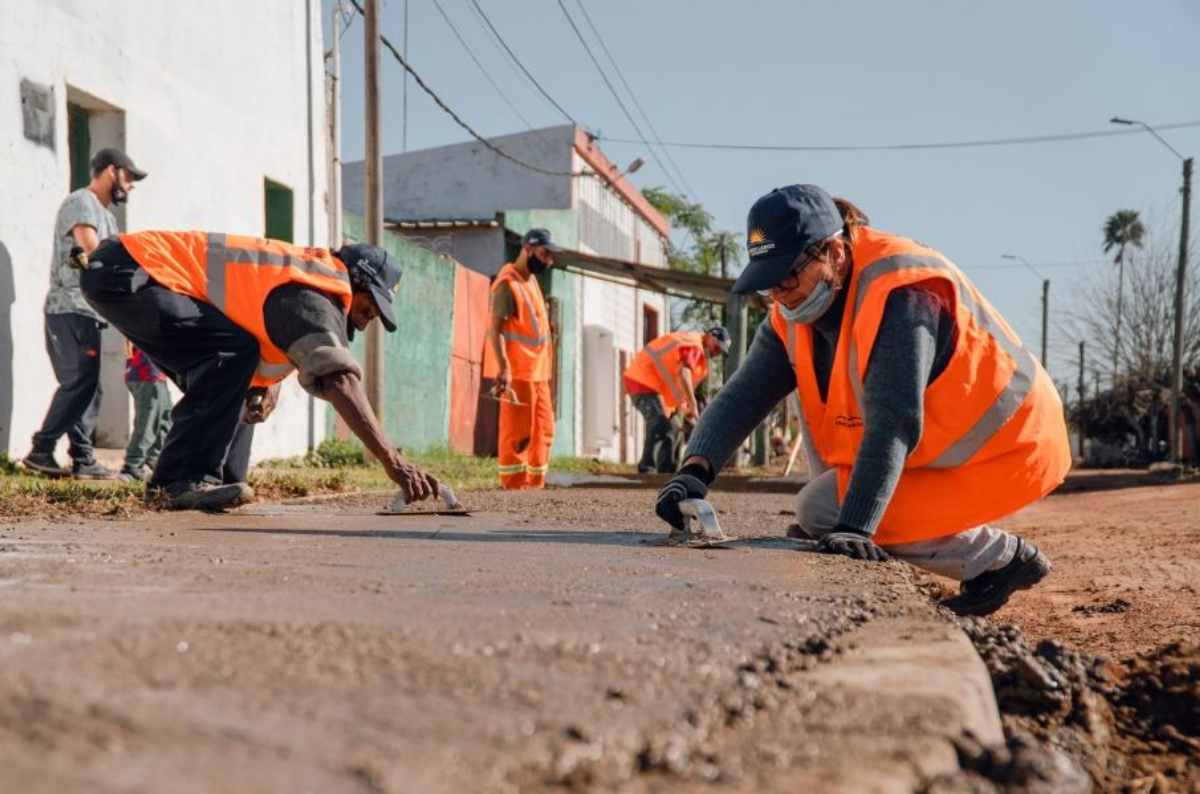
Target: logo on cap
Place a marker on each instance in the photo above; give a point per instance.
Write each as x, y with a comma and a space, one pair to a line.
757, 243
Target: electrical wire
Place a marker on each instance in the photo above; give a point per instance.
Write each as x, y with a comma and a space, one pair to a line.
687, 188
517, 60
487, 75
1029, 139
458, 120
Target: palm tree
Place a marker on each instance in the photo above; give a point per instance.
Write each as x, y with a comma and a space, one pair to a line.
1123, 228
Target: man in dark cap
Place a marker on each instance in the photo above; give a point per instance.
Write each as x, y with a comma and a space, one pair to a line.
72, 327
228, 318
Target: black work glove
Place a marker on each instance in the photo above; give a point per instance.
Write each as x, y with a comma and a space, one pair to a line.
851, 543
687, 484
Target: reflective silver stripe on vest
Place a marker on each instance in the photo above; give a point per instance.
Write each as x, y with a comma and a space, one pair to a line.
661, 366
272, 371
1010, 398
538, 339
219, 255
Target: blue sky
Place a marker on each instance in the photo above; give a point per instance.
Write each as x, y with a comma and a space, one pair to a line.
807, 73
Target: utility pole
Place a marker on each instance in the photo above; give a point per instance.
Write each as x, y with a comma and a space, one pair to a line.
335, 132
1180, 288
374, 190
1082, 425
1045, 315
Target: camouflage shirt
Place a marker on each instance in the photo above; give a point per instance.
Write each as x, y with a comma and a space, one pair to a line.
80, 208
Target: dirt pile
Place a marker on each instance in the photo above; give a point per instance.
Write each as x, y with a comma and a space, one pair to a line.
1133, 726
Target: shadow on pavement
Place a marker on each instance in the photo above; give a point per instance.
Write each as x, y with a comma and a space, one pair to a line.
494, 536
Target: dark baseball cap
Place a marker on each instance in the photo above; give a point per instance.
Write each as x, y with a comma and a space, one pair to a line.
539, 237
721, 336
112, 156
782, 225
372, 269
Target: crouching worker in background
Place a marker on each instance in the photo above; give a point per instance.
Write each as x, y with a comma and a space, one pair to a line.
151, 415
229, 317
925, 417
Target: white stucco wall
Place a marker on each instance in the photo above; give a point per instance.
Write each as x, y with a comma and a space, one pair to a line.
214, 96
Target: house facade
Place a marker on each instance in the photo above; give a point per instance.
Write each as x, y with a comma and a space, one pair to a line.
470, 204
230, 125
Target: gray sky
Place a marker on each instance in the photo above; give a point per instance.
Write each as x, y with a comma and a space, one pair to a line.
806, 73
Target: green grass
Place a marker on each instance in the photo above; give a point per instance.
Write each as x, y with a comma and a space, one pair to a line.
334, 467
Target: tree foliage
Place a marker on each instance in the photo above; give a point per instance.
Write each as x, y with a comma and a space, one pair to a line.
700, 252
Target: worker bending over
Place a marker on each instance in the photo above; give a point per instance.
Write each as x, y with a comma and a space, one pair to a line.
228, 317
926, 419
520, 357
662, 379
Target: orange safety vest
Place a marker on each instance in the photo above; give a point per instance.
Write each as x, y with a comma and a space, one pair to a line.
994, 439
659, 365
235, 273
526, 334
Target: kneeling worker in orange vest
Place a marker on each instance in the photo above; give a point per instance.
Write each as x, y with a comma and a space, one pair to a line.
227, 318
925, 417
520, 357
661, 379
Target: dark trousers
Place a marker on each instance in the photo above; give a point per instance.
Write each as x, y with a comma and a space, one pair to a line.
661, 447
73, 342
208, 357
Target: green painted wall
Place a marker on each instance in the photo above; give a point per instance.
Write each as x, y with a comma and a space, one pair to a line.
564, 286
417, 355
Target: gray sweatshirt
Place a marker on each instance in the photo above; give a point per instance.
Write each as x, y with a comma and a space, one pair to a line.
913, 346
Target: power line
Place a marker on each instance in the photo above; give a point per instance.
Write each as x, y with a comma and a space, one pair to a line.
517, 60
482, 69
1054, 138
486, 143
617, 67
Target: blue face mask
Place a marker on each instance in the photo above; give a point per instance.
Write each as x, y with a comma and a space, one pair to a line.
813, 307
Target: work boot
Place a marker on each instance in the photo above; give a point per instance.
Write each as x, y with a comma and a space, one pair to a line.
199, 496
91, 470
990, 590
44, 463
134, 474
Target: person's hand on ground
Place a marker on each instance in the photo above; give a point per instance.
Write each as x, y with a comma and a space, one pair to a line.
852, 543
684, 485
260, 403
415, 483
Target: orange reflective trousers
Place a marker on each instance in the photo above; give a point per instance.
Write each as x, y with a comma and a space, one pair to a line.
526, 434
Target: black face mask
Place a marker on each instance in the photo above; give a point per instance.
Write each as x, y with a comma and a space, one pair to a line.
535, 265
119, 195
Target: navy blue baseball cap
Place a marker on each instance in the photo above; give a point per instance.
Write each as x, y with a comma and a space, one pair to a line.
373, 270
539, 236
780, 227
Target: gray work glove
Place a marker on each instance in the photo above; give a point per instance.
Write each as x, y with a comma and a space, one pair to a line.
682, 486
851, 543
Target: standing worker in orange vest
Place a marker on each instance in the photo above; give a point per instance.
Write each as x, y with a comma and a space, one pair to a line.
925, 417
661, 379
520, 357
228, 317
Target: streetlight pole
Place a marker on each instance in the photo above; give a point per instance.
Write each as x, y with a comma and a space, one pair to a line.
1045, 302
1180, 288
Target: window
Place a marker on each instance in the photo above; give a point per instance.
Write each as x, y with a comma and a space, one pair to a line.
649, 324
278, 211
79, 145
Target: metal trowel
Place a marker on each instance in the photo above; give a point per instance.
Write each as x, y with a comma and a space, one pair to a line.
400, 505
701, 529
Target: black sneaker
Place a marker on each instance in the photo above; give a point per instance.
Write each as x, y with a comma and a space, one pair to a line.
91, 470
990, 590
44, 463
199, 496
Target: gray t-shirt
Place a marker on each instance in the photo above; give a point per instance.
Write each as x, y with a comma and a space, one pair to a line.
80, 207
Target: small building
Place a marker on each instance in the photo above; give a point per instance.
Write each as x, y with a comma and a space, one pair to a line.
222, 102
467, 202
